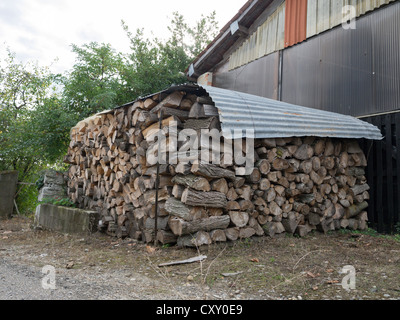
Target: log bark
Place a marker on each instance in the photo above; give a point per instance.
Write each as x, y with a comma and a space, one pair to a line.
212, 171
180, 227
354, 210
165, 237
201, 238
204, 199
178, 209
192, 181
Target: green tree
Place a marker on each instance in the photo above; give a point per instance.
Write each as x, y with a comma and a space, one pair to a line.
152, 65
33, 124
23, 88
95, 83
103, 78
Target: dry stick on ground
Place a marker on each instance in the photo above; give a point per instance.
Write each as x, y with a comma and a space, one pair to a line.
301, 275
307, 254
159, 272
208, 269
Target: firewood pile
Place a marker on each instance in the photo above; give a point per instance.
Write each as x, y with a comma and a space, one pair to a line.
295, 186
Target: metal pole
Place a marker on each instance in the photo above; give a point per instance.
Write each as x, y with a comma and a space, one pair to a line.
158, 177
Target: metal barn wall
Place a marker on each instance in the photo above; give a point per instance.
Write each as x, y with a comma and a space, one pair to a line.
259, 77
295, 22
323, 15
383, 174
354, 72
268, 38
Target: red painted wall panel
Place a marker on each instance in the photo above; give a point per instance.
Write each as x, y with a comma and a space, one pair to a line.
295, 22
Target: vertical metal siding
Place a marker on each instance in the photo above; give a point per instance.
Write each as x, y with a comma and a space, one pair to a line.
259, 77
354, 72
295, 22
268, 38
385, 28
323, 15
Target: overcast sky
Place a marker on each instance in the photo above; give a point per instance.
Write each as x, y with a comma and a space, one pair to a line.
43, 30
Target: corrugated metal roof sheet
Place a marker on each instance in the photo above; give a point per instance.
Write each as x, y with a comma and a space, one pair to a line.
275, 119
271, 118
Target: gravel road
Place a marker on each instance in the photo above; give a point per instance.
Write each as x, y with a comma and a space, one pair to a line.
24, 283
21, 282
98, 267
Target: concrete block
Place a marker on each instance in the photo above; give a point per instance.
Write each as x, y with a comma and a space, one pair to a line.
54, 186
66, 220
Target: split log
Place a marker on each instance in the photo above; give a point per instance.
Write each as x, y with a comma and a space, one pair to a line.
180, 227
197, 111
360, 189
354, 210
178, 209
204, 199
212, 171
220, 185
202, 124
199, 239
291, 223
218, 236
192, 181
245, 233
232, 234
165, 237
239, 219
304, 152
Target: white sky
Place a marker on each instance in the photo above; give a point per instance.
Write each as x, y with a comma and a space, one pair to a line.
43, 30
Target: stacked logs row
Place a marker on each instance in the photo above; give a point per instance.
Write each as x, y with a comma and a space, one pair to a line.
297, 184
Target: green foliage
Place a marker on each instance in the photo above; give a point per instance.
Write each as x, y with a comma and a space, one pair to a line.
61, 202
39, 183
153, 65
38, 108
95, 83
34, 125
397, 228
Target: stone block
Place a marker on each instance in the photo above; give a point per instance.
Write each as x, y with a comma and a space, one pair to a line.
66, 220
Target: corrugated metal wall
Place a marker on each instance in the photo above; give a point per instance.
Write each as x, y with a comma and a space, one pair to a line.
259, 77
268, 38
383, 173
355, 72
323, 15
295, 22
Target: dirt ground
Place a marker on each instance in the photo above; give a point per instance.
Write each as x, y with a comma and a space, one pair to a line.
284, 268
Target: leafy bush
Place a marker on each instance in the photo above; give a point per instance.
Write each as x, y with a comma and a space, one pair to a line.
61, 202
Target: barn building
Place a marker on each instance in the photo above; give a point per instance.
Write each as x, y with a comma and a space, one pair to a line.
334, 55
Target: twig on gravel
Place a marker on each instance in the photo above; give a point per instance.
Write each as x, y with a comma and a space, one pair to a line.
307, 254
159, 272
208, 269
188, 261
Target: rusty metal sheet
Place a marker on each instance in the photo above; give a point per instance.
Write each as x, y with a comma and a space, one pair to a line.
295, 22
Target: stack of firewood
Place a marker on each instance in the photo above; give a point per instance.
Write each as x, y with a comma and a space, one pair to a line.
297, 184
